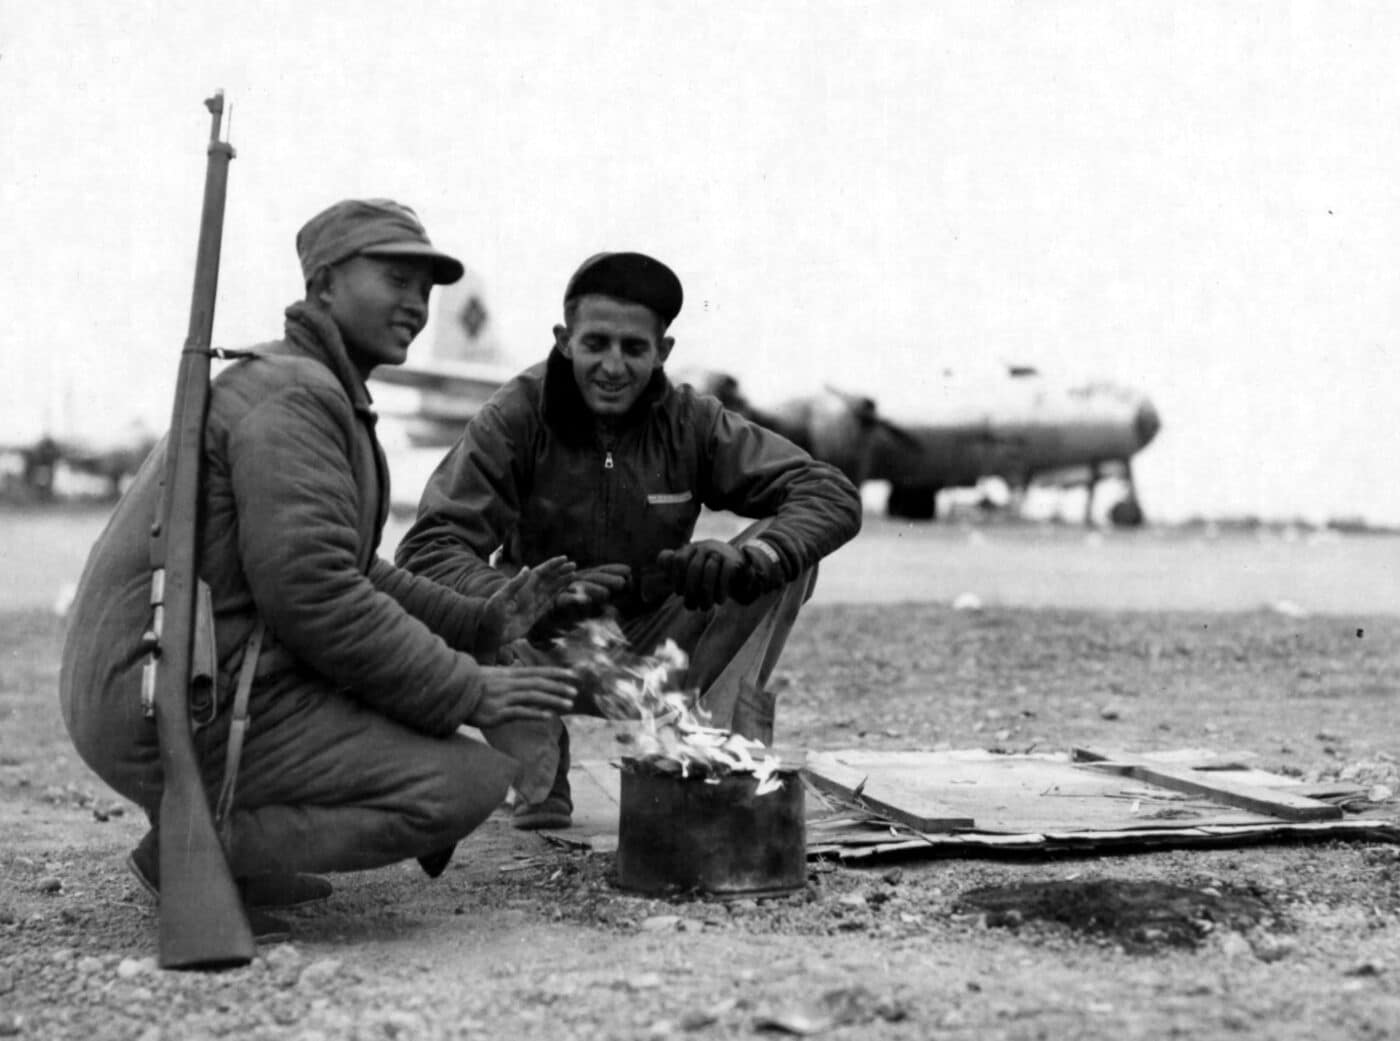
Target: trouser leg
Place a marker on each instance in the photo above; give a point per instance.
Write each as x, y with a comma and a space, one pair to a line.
733, 648
338, 787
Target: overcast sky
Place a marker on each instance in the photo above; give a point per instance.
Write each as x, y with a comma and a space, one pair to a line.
1195, 199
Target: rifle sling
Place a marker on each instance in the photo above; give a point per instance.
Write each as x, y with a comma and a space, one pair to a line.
238, 726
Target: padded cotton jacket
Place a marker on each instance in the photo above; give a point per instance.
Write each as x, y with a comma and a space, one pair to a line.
536, 476
295, 496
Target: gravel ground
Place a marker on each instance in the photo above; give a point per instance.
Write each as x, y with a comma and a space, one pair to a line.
520, 939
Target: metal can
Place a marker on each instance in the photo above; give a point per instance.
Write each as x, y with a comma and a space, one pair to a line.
713, 836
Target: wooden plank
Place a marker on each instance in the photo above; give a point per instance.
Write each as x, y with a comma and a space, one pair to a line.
898, 802
1272, 802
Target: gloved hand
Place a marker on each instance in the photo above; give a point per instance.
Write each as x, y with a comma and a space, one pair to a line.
762, 572
702, 572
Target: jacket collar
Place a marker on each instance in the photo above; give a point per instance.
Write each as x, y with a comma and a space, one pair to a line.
568, 414
311, 331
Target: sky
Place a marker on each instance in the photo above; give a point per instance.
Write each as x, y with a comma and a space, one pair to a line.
1197, 200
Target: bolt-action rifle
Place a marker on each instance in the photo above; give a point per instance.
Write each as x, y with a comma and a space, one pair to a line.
202, 921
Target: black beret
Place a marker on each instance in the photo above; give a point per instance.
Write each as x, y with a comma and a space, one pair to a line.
634, 277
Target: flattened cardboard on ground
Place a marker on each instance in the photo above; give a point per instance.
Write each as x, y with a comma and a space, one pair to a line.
1018, 804
1047, 802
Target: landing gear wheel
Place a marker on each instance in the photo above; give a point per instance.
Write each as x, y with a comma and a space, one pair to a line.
1126, 513
913, 502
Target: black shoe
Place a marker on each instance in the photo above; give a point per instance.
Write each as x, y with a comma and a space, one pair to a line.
435, 864
273, 889
268, 928
554, 811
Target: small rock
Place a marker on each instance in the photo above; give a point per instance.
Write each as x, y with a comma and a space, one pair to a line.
129, 968
49, 884
88, 965
320, 972
11, 1023
1269, 948
852, 900
1380, 793
893, 876
398, 1023
643, 981
662, 1028
698, 1019
283, 954
967, 602
1369, 967
660, 923
1110, 712
1233, 945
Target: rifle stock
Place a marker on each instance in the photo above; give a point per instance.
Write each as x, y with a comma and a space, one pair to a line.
202, 921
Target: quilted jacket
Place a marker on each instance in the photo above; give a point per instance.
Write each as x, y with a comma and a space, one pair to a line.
295, 496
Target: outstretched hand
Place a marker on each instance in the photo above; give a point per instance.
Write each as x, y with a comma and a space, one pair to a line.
524, 692
529, 596
594, 586
586, 595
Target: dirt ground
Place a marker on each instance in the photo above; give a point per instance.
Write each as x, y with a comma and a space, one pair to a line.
523, 939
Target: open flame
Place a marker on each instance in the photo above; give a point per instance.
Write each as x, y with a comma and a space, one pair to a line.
673, 734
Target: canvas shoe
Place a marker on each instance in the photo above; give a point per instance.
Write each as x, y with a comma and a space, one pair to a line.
282, 890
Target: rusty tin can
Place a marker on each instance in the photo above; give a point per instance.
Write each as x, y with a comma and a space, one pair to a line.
720, 838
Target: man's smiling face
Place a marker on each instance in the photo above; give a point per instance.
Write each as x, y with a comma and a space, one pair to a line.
614, 347
380, 305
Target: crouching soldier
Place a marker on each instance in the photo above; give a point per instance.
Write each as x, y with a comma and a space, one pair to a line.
594, 454
357, 674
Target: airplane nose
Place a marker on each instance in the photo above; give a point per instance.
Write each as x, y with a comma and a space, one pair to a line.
1147, 424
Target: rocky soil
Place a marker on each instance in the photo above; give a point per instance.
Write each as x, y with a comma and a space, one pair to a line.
521, 938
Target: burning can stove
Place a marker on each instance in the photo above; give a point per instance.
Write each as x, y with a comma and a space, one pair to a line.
717, 837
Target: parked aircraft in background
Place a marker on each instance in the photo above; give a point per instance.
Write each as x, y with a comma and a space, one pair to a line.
40, 470
1020, 427
1023, 429
1026, 430
450, 376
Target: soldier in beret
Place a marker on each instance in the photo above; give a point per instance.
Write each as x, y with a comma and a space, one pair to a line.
357, 674
595, 455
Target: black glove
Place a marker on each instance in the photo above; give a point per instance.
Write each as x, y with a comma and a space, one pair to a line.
762, 572
702, 572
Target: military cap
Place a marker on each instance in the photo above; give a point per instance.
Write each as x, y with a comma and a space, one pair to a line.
372, 227
634, 277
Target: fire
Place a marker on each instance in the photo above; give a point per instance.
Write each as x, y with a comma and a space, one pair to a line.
674, 734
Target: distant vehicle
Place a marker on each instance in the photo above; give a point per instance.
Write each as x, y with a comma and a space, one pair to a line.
1023, 429
107, 465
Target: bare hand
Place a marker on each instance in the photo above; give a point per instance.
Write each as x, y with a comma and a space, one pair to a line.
528, 596
523, 692
593, 587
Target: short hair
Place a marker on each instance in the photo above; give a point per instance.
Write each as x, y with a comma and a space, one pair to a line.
571, 313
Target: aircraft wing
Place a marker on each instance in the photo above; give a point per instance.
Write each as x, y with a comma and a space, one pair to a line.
436, 400
465, 380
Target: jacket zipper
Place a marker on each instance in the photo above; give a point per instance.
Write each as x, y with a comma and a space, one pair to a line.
608, 465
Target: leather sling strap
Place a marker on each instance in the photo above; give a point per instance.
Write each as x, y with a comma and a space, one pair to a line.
238, 725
